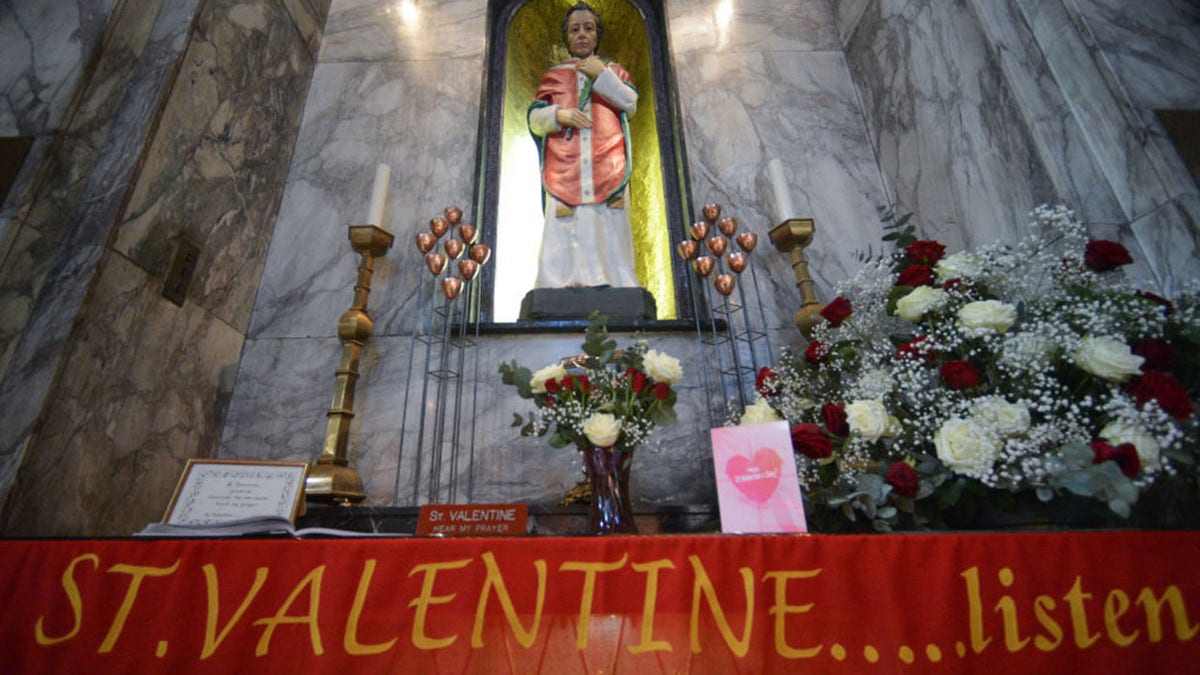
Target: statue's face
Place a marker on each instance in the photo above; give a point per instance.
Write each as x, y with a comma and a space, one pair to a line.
581, 33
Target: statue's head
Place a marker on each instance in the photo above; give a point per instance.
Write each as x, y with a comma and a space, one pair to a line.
582, 30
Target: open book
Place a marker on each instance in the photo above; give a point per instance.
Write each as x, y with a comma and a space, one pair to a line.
264, 526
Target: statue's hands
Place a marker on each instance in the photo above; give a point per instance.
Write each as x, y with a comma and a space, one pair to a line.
592, 66
574, 118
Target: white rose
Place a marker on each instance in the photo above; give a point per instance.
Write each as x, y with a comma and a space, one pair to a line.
662, 368
920, 301
759, 412
602, 430
1108, 358
1006, 419
990, 316
1147, 446
538, 381
956, 266
965, 448
868, 419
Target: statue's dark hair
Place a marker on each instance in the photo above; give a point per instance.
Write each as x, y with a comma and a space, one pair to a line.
580, 7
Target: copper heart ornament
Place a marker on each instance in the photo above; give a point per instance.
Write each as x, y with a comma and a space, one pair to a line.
723, 282
699, 230
468, 268
711, 212
451, 287
737, 261
480, 253
717, 245
454, 248
425, 242
438, 227
747, 241
703, 265
467, 233
687, 249
727, 226
453, 214
436, 262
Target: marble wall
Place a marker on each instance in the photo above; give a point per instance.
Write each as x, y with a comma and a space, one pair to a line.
138, 385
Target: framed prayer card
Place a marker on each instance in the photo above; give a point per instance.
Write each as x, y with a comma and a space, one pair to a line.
213, 491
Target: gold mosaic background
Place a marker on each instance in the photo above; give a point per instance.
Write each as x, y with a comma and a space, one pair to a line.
535, 44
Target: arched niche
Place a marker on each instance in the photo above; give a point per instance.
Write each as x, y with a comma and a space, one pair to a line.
524, 39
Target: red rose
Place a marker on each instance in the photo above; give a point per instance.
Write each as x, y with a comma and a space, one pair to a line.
1125, 455
548, 402
959, 375
950, 284
815, 352
637, 380
567, 382
903, 479
766, 381
584, 383
915, 275
1102, 255
811, 441
1163, 388
1166, 304
837, 311
916, 349
553, 386
1159, 355
925, 252
662, 390
834, 417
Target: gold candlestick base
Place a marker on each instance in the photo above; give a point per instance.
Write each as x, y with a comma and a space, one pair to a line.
792, 236
332, 479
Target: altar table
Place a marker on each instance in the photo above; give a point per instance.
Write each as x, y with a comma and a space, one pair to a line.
1119, 601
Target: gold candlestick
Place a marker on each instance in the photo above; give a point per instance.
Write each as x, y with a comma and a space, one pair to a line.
792, 236
332, 479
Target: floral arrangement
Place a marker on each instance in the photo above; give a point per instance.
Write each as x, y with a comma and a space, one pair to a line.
938, 382
608, 398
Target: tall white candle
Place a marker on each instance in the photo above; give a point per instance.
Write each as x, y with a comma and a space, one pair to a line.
784, 208
383, 176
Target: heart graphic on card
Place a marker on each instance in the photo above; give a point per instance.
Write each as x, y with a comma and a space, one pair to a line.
756, 478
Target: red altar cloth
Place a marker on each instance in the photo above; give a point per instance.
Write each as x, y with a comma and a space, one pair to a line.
1092, 602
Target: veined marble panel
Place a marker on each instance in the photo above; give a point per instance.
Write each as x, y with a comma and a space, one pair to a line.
369, 30
217, 165
43, 47
740, 111
950, 136
417, 117
285, 385
848, 12
111, 447
700, 26
1153, 46
1141, 166
309, 18
1170, 240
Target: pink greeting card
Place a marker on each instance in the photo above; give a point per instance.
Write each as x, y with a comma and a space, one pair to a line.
756, 479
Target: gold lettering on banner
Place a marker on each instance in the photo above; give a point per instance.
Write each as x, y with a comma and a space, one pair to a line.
979, 641
1079, 624
73, 597
1153, 607
647, 644
350, 638
1041, 605
422, 602
703, 585
589, 590
1115, 606
496, 581
312, 582
781, 609
138, 572
213, 638
1007, 607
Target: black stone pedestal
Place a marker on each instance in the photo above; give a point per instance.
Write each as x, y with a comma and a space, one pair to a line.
553, 304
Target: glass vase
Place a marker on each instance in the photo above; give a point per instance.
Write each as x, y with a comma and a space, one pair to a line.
608, 478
